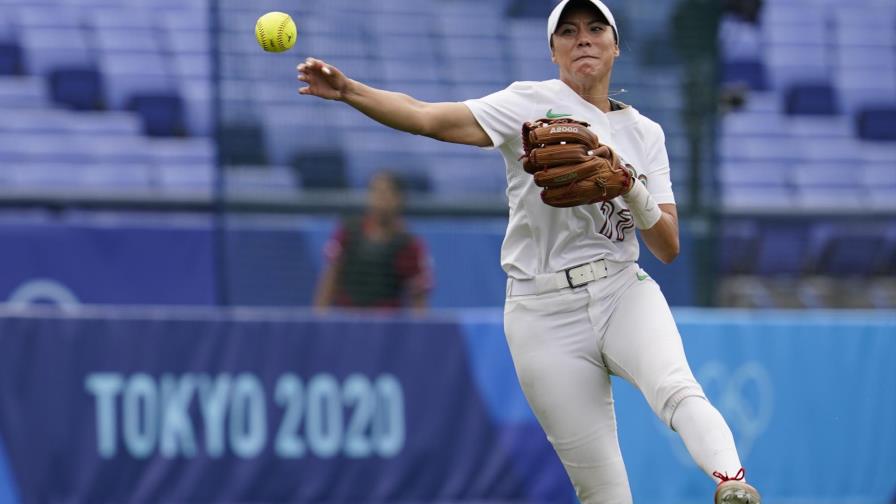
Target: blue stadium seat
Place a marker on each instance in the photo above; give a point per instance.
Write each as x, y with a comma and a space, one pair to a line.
473, 47
10, 59
877, 124
416, 182
129, 74
46, 49
782, 249
738, 245
846, 250
321, 169
811, 99
363, 163
163, 114
77, 88
744, 73
22, 92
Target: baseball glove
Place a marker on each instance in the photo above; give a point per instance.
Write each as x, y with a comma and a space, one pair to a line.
570, 163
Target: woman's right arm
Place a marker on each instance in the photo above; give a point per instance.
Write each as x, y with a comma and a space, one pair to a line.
449, 121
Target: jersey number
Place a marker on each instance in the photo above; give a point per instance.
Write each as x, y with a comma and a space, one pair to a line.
616, 221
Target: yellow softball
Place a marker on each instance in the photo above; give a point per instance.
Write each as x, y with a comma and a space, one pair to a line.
275, 32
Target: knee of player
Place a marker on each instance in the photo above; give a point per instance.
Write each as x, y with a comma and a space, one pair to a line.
674, 397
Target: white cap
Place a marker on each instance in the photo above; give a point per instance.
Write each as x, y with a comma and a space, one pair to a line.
554, 18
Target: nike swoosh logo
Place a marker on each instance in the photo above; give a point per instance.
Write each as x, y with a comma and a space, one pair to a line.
551, 115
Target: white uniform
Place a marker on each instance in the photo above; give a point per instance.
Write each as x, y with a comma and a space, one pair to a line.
568, 331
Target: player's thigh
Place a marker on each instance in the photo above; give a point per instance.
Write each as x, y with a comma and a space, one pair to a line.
554, 351
643, 345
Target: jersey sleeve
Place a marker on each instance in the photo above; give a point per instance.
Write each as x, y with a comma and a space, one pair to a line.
413, 265
659, 181
503, 113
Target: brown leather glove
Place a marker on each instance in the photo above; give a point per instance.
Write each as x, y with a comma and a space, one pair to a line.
569, 162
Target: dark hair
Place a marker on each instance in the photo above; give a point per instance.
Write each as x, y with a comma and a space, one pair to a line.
393, 178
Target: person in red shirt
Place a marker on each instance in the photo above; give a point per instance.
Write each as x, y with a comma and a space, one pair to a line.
374, 261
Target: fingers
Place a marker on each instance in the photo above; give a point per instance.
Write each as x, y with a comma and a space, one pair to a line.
314, 64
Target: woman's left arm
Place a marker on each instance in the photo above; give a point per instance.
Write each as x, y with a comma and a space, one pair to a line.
662, 237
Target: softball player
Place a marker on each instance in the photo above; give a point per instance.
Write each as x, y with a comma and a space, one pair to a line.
578, 307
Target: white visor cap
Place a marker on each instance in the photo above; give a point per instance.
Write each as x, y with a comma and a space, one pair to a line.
554, 18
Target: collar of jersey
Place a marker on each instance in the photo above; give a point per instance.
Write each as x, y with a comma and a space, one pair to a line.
621, 118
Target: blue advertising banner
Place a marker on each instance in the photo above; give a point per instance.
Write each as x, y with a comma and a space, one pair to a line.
274, 406
253, 409
69, 263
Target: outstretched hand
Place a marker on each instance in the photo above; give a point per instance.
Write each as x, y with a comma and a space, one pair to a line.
324, 81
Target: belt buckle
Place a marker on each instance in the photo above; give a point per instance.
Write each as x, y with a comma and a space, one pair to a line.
582, 277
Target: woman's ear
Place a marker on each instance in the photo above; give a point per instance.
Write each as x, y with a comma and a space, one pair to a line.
616, 52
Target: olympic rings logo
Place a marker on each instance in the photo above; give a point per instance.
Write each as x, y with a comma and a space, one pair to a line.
44, 290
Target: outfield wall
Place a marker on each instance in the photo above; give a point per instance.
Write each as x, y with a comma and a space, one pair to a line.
245, 405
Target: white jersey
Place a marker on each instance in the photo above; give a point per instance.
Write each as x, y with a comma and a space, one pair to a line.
543, 239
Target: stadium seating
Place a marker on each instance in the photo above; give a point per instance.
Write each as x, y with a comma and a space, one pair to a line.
821, 81
829, 103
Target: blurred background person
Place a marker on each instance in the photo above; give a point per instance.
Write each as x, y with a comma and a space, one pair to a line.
373, 260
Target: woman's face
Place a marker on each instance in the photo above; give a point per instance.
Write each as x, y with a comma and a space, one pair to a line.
584, 45
384, 198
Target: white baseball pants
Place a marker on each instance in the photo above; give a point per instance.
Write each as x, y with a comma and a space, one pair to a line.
565, 345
